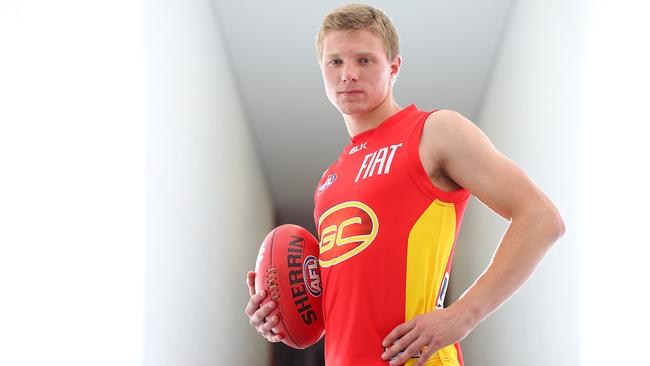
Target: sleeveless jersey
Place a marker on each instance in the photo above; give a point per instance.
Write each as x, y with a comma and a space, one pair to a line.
386, 237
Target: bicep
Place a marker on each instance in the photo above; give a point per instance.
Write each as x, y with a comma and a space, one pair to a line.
471, 160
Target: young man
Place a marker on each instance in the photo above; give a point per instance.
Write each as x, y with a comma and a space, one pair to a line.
389, 209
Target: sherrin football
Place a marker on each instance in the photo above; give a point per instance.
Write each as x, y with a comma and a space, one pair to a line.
287, 270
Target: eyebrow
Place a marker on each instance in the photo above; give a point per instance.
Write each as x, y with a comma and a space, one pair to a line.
362, 53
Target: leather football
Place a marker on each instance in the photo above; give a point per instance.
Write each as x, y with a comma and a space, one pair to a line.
287, 270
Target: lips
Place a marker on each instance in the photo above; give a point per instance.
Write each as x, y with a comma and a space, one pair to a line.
351, 92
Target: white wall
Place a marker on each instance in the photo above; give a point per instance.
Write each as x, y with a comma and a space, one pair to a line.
531, 113
71, 183
207, 206
615, 156
131, 199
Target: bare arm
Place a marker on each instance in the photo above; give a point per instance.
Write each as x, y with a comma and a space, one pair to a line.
465, 154
471, 160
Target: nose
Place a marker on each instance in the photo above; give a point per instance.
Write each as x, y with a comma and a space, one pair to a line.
349, 73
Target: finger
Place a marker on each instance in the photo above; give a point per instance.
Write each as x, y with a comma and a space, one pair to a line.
399, 345
268, 335
425, 356
250, 280
412, 351
258, 317
254, 303
398, 332
275, 338
268, 326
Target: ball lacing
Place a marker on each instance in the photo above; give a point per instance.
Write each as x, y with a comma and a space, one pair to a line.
271, 282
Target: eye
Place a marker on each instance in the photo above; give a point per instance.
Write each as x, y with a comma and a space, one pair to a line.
366, 60
334, 61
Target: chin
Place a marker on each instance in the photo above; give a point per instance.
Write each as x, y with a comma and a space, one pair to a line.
353, 108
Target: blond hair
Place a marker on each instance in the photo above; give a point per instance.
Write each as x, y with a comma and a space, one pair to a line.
354, 17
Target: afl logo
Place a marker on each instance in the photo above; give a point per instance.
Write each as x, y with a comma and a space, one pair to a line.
330, 179
311, 275
345, 230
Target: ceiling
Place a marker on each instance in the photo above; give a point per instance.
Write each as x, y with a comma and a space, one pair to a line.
447, 48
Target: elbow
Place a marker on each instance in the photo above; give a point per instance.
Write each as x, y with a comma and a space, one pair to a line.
556, 224
561, 229
548, 221
544, 220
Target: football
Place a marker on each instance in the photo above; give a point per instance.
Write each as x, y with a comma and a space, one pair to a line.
287, 270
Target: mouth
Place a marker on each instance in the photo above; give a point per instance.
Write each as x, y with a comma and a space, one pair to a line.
350, 92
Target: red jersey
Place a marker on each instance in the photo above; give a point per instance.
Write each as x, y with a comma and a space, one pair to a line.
386, 237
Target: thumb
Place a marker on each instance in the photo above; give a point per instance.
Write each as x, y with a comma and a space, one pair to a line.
250, 280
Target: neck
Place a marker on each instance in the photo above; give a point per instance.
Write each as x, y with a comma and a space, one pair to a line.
360, 122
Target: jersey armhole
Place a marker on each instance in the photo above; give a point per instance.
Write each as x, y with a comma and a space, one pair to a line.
419, 174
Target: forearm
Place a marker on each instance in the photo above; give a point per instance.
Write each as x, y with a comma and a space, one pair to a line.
524, 244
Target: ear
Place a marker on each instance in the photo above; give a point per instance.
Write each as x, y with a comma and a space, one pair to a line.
395, 66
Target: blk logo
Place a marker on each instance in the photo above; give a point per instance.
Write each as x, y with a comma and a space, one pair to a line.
358, 148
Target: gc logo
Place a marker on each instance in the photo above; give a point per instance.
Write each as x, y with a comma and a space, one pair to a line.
345, 230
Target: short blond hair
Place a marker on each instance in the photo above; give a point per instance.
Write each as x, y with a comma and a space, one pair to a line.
354, 17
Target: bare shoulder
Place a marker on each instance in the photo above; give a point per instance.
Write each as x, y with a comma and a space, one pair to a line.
469, 158
447, 128
438, 142
449, 136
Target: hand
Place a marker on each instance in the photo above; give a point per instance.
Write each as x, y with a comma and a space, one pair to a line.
433, 330
259, 315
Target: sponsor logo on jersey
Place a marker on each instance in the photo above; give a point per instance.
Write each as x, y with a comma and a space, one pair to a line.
377, 162
311, 274
345, 230
296, 280
357, 148
330, 179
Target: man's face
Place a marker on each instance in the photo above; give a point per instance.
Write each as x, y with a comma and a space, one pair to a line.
356, 71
